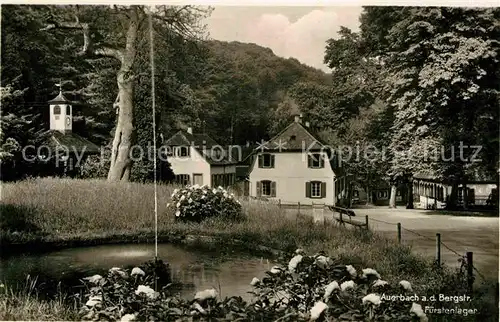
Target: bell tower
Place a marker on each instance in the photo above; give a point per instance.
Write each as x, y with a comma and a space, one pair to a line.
61, 113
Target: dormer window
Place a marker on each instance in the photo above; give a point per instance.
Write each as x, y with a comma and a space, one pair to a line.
266, 160
184, 151
315, 161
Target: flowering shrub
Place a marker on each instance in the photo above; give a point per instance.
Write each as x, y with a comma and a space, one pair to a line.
196, 203
304, 288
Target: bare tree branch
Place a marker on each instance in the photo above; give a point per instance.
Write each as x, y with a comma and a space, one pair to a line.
87, 42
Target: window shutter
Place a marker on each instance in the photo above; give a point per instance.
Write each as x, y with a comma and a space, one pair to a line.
323, 190
260, 160
309, 160
259, 189
308, 190
273, 189
272, 160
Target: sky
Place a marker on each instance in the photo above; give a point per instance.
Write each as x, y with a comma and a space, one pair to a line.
299, 32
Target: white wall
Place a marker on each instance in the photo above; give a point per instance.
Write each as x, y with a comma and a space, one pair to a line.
189, 165
60, 123
291, 173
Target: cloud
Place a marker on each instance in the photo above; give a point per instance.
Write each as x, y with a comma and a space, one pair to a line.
304, 39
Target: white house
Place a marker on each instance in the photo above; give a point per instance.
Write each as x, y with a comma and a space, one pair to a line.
198, 159
295, 166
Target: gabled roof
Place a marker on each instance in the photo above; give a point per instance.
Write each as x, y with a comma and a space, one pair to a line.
73, 142
203, 143
60, 99
294, 137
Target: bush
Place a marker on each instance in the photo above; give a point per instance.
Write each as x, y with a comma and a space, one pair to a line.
303, 288
195, 203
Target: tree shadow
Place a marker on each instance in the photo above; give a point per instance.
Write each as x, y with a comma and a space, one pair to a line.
16, 218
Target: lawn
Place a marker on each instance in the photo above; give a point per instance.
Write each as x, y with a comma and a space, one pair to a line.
69, 212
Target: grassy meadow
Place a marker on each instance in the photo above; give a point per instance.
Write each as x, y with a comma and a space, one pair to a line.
71, 212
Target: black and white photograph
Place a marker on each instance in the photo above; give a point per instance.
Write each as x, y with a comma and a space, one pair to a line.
317, 161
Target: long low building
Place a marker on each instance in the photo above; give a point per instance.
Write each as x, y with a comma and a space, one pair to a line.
432, 193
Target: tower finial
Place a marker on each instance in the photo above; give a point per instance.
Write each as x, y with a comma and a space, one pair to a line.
60, 86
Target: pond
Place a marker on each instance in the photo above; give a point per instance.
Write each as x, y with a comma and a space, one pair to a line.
195, 271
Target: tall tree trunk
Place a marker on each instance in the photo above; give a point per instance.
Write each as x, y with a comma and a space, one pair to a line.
452, 201
392, 200
121, 162
122, 142
409, 195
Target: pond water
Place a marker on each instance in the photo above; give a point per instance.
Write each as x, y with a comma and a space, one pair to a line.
196, 271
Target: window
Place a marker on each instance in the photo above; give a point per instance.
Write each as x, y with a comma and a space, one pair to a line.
315, 161
355, 193
398, 193
266, 188
169, 151
182, 179
383, 194
266, 160
315, 189
68, 109
184, 151
293, 138
57, 110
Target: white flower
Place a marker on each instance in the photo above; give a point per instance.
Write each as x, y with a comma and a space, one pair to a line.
275, 270
254, 281
177, 213
406, 285
322, 261
204, 192
94, 300
94, 279
175, 191
299, 251
214, 191
379, 282
137, 271
347, 285
317, 309
206, 294
183, 197
199, 308
118, 271
330, 288
372, 298
148, 291
203, 197
168, 204
370, 271
292, 265
220, 188
417, 309
190, 200
351, 270
128, 317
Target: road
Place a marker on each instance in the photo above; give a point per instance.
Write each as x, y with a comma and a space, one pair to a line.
461, 234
